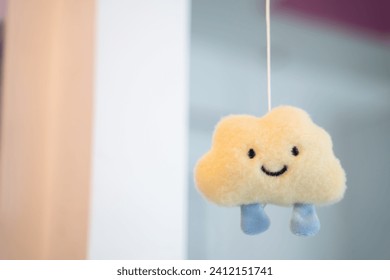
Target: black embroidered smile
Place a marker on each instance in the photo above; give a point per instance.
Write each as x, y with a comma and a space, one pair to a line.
274, 174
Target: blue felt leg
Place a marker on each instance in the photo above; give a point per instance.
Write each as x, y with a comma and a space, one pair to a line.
304, 220
253, 219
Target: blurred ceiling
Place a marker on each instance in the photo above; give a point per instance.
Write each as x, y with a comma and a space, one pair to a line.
371, 17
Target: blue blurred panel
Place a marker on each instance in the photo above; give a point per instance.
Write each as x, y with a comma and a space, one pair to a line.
341, 80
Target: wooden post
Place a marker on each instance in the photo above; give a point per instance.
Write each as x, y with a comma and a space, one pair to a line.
46, 129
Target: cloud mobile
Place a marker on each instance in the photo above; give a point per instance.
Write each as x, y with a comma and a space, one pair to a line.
282, 158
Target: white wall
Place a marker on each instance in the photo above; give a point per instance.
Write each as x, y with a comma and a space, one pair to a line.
139, 203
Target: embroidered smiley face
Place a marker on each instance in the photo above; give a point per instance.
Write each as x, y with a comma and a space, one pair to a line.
282, 158
252, 154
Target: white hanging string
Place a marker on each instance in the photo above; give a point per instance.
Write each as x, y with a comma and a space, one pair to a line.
268, 26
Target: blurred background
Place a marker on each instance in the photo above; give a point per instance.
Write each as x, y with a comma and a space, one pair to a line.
106, 105
330, 58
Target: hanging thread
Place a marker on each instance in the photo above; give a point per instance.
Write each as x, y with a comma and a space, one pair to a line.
268, 27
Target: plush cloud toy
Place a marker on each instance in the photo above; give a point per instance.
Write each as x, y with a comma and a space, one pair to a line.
282, 158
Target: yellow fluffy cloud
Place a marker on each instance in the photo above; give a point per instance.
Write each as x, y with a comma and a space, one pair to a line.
282, 158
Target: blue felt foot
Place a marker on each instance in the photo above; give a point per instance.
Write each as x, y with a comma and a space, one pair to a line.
253, 219
304, 220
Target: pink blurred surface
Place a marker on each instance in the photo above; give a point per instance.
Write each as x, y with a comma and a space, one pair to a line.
3, 6
367, 16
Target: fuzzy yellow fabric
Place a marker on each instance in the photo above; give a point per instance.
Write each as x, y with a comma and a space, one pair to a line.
282, 158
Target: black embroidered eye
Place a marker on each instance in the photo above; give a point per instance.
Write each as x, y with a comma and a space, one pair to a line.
295, 151
251, 153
